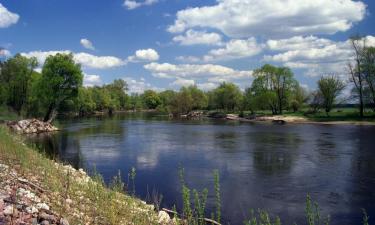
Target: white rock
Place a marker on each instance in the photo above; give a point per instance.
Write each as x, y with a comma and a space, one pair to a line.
8, 210
68, 201
163, 218
42, 206
32, 210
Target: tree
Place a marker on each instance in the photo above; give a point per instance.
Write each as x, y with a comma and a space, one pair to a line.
61, 80
330, 88
274, 85
368, 68
15, 77
358, 44
200, 100
227, 96
151, 99
298, 97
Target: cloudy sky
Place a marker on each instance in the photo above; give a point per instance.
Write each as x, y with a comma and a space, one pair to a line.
166, 44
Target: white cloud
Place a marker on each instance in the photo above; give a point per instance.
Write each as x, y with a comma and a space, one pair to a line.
98, 62
91, 80
207, 86
7, 18
182, 82
144, 55
297, 42
86, 43
85, 59
246, 18
235, 49
133, 4
317, 55
190, 59
216, 73
4, 52
139, 86
193, 37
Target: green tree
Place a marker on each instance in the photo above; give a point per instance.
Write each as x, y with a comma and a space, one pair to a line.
330, 88
298, 97
358, 44
274, 84
227, 96
151, 99
15, 77
61, 80
368, 68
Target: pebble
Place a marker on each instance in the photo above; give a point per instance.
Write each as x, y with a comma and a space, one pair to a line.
163, 218
9, 210
42, 206
44, 222
63, 221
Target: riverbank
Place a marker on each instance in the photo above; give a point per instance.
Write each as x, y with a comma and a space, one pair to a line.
281, 119
34, 188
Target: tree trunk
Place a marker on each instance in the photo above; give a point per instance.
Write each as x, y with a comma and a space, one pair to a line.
51, 113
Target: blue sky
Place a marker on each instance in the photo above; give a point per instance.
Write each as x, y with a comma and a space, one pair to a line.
165, 44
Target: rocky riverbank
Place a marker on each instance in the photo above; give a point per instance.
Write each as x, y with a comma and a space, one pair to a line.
37, 190
31, 126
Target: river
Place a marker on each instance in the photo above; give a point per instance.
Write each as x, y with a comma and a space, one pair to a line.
265, 166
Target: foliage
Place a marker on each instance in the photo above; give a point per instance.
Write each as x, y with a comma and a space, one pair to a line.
330, 87
272, 87
151, 99
61, 80
15, 77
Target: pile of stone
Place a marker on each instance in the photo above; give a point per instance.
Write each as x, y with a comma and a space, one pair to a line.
23, 202
31, 126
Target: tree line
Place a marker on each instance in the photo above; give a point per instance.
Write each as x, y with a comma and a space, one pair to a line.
58, 88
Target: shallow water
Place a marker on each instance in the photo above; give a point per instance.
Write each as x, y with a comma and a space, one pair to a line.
265, 166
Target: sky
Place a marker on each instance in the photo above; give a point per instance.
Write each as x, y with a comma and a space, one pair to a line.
167, 44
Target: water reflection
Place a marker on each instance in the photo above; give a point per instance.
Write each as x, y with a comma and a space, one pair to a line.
261, 166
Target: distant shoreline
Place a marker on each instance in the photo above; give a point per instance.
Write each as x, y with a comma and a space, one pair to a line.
285, 119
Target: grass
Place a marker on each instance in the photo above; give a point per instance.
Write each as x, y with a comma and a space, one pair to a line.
93, 201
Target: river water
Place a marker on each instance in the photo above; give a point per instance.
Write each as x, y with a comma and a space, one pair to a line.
265, 166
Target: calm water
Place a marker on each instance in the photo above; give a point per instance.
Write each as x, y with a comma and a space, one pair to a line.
264, 166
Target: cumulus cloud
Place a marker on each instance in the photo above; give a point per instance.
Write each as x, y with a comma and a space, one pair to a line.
91, 80
86, 43
144, 55
182, 82
7, 18
85, 59
193, 37
133, 4
139, 86
4, 52
246, 18
317, 55
235, 49
98, 62
215, 73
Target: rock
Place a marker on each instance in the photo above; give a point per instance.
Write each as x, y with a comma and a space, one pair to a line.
45, 216
68, 201
44, 222
9, 210
42, 206
30, 126
63, 221
163, 218
32, 210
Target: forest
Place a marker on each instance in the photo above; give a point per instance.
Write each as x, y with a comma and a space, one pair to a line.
58, 89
